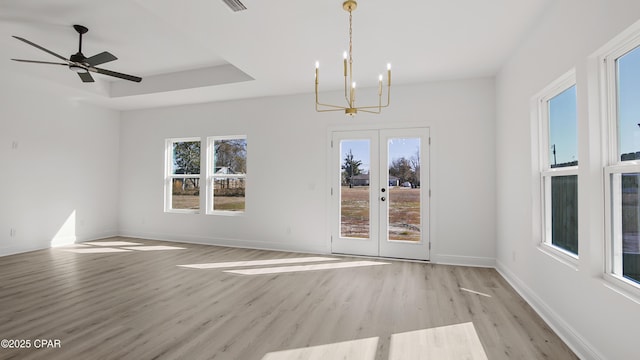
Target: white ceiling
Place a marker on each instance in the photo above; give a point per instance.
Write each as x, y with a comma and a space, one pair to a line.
275, 42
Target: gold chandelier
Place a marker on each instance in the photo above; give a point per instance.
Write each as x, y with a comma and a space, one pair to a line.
350, 91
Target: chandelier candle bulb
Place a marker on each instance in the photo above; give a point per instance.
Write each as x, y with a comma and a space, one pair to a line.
353, 93
389, 74
379, 84
344, 55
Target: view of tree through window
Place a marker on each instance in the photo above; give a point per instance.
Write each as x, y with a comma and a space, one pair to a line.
404, 216
354, 192
229, 174
402, 189
185, 189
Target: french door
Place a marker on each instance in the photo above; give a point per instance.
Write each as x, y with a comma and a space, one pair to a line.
380, 193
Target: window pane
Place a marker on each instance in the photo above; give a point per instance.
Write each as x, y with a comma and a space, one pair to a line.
564, 212
185, 193
403, 177
630, 226
628, 67
563, 129
186, 157
354, 192
230, 156
228, 194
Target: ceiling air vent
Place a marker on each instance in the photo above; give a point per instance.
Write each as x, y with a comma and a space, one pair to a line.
235, 5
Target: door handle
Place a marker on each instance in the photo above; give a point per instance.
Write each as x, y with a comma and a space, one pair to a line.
383, 198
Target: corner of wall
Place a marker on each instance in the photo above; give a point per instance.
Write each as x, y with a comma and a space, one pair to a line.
579, 345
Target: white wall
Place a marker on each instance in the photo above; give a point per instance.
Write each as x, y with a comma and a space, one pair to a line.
60, 183
287, 171
597, 321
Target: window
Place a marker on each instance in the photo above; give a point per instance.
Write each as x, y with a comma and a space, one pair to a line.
182, 179
621, 75
226, 174
557, 115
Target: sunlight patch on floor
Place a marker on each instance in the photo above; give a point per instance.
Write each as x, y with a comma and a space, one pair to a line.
103, 247
257, 262
153, 248
446, 342
361, 349
299, 268
475, 292
111, 243
100, 250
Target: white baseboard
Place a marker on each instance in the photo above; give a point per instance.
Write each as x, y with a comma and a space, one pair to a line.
463, 260
13, 250
235, 243
577, 343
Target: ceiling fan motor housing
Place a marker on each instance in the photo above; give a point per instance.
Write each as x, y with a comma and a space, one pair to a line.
76, 60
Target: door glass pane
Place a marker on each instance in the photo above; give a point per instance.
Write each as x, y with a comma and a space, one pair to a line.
404, 189
628, 67
631, 226
354, 189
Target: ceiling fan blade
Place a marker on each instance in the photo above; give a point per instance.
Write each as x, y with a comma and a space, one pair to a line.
41, 48
115, 74
86, 77
40, 62
101, 58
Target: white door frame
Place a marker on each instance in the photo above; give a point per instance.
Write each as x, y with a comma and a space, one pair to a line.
378, 244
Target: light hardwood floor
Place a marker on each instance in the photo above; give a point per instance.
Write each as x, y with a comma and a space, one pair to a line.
133, 304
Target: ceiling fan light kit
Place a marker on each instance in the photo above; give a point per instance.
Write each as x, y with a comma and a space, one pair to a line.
349, 84
79, 63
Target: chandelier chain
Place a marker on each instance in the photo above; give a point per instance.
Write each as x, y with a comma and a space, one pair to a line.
350, 43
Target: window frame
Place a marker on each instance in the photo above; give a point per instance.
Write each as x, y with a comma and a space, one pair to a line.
546, 172
169, 176
608, 73
211, 176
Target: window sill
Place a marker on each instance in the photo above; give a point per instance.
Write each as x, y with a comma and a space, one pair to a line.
560, 255
226, 213
622, 286
174, 211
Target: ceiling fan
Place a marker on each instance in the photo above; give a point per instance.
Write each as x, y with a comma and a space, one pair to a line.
79, 63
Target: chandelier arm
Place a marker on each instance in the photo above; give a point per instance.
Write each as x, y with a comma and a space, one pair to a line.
369, 111
318, 103
370, 107
388, 95
330, 106
327, 110
380, 106
346, 97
